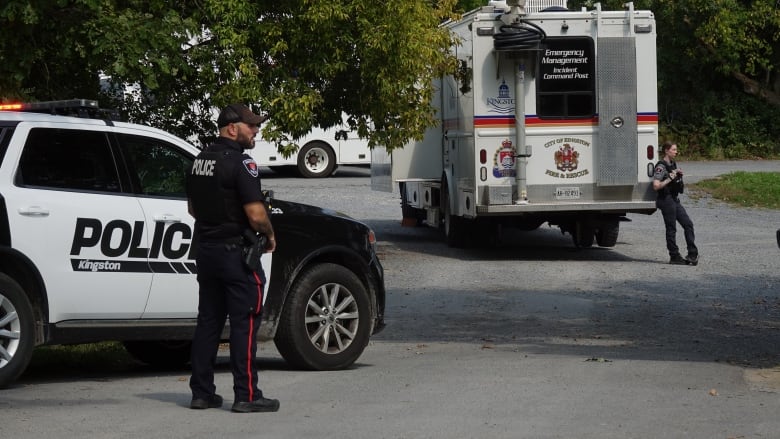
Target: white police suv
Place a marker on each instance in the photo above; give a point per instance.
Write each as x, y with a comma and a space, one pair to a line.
96, 244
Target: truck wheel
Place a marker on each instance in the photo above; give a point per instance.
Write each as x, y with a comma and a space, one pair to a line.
326, 321
17, 330
160, 353
316, 160
454, 226
582, 235
607, 234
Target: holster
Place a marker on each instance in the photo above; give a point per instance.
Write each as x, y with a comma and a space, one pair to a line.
253, 248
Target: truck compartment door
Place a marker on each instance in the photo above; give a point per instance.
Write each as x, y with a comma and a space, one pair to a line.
616, 158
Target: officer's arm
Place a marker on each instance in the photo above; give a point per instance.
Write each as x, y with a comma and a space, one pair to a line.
260, 222
661, 179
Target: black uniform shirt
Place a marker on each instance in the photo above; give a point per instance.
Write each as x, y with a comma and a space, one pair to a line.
218, 197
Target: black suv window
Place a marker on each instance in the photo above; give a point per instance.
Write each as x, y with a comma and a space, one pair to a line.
567, 81
160, 167
68, 159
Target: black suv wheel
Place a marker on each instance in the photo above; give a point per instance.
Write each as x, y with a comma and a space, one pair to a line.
326, 320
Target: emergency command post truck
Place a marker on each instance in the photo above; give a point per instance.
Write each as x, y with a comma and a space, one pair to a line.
551, 117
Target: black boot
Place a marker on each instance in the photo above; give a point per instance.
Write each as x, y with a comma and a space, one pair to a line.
258, 405
678, 260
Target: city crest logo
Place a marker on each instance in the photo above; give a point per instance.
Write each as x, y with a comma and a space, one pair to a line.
566, 157
503, 103
504, 160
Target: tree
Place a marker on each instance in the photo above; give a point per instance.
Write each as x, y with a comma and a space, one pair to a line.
718, 81
172, 64
739, 39
736, 38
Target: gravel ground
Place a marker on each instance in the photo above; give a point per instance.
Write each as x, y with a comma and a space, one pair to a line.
535, 289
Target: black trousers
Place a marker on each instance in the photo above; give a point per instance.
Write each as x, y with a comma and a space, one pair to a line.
226, 289
673, 213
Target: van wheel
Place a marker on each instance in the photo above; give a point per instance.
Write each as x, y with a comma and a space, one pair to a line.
326, 321
316, 160
17, 330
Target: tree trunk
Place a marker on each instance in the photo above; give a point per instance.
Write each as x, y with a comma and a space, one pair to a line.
753, 87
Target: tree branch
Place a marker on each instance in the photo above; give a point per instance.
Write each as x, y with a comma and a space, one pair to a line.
754, 88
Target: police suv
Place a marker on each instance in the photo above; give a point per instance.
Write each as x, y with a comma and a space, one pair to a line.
96, 244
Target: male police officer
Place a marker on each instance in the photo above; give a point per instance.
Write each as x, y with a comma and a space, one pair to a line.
668, 184
223, 190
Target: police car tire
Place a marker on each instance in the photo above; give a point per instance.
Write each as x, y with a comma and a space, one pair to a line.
322, 150
16, 317
298, 334
160, 353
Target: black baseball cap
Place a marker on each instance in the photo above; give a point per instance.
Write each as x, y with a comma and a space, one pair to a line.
234, 113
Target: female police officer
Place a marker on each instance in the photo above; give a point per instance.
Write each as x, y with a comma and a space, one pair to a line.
668, 184
223, 191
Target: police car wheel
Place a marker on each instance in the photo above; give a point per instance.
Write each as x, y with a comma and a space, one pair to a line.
160, 353
316, 160
326, 321
17, 330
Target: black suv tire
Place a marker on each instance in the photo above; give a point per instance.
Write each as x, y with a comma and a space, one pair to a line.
326, 322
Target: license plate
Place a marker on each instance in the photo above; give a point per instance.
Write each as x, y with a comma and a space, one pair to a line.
567, 193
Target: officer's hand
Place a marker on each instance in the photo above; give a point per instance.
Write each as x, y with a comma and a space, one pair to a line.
673, 175
271, 245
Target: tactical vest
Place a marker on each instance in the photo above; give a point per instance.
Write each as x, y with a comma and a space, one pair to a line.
677, 186
213, 195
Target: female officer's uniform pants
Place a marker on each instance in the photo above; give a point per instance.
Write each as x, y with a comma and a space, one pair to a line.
674, 212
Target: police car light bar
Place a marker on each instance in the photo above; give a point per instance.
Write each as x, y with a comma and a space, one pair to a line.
71, 107
10, 107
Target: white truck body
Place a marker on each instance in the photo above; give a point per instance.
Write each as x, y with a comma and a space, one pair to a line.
581, 156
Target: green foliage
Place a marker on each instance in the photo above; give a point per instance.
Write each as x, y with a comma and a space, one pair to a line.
750, 189
103, 357
305, 62
718, 80
728, 125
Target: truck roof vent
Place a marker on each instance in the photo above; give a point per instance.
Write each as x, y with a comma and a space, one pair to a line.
532, 6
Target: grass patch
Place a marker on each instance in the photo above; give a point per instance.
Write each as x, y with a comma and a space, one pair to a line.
81, 358
747, 189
